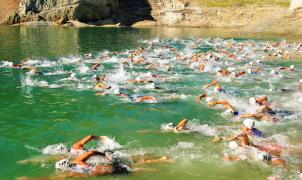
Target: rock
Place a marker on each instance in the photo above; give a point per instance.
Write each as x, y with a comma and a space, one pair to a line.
13, 19
295, 4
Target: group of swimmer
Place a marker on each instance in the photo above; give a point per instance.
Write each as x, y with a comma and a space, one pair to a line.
218, 61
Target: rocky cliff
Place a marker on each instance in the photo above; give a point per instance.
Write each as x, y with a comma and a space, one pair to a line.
88, 11
189, 13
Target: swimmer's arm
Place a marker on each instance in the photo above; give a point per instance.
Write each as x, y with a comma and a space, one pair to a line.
211, 84
80, 144
247, 116
81, 160
181, 125
225, 104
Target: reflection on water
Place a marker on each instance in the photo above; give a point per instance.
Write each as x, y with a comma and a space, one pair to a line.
19, 42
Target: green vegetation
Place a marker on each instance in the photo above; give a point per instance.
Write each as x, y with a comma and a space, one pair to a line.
228, 3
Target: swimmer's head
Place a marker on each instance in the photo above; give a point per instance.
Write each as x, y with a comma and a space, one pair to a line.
274, 72
249, 71
259, 61
300, 81
292, 67
63, 164
209, 99
252, 100
229, 112
218, 69
249, 123
61, 148
170, 126
217, 89
233, 74
233, 145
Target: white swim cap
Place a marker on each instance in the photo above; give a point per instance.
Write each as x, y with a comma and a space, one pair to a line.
209, 99
251, 63
229, 112
274, 72
170, 126
216, 89
233, 74
249, 71
72, 75
218, 69
63, 164
61, 148
300, 81
252, 100
249, 123
233, 145
259, 61
292, 67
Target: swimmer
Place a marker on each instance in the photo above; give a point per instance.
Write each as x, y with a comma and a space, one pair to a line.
290, 68
81, 167
273, 150
249, 128
95, 66
262, 100
254, 71
241, 73
89, 56
223, 73
259, 117
148, 99
181, 126
212, 102
32, 70
140, 81
217, 85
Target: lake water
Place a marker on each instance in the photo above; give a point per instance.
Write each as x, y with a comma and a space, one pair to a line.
33, 117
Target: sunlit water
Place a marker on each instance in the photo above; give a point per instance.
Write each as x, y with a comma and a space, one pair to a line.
37, 111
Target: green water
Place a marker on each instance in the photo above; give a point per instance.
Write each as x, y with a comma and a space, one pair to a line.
32, 118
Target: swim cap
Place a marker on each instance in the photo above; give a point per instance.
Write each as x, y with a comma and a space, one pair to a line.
259, 61
209, 99
61, 148
216, 89
229, 112
218, 69
63, 164
233, 145
300, 81
251, 63
170, 126
249, 123
274, 72
252, 101
233, 74
292, 67
249, 71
